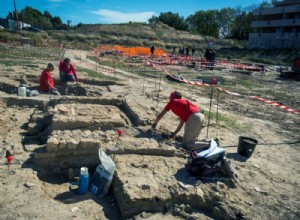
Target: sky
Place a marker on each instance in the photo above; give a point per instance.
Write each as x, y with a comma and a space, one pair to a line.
118, 11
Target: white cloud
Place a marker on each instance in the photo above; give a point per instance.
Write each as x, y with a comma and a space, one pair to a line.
109, 16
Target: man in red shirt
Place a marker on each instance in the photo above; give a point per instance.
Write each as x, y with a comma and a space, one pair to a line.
46, 81
189, 114
67, 71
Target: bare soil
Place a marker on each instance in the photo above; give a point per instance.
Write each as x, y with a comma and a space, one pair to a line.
268, 181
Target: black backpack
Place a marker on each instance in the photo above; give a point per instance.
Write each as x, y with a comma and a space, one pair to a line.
206, 161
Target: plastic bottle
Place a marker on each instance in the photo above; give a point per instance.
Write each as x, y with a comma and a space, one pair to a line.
83, 184
22, 91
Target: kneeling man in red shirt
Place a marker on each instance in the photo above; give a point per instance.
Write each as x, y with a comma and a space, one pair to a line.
189, 114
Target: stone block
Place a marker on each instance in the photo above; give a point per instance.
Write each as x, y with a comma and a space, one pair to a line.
52, 145
72, 144
88, 144
62, 145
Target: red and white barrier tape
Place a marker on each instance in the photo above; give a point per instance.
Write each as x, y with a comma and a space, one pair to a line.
279, 105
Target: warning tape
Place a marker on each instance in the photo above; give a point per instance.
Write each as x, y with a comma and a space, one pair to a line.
160, 66
279, 105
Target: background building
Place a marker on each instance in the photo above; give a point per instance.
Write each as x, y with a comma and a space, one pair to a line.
277, 27
12, 25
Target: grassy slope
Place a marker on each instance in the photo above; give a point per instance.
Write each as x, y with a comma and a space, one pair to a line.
138, 34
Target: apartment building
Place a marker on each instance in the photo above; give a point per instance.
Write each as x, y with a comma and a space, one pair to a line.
277, 27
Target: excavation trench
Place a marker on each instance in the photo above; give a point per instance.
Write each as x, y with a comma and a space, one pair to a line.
149, 177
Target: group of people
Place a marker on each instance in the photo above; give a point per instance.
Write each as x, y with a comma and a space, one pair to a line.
189, 114
67, 73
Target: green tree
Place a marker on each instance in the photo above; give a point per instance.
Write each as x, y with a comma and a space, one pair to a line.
242, 26
225, 19
173, 20
41, 20
205, 23
153, 19
47, 15
57, 23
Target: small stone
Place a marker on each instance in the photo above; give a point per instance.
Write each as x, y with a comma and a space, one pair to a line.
184, 186
144, 215
145, 186
29, 184
107, 140
221, 185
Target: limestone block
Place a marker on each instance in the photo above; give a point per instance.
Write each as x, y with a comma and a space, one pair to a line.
62, 145
72, 144
89, 144
73, 113
86, 133
62, 109
52, 145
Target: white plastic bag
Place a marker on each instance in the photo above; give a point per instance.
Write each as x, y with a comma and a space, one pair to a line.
103, 175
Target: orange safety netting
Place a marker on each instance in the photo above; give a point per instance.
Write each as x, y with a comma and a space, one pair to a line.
131, 51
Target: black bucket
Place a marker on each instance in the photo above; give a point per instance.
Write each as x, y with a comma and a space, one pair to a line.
246, 146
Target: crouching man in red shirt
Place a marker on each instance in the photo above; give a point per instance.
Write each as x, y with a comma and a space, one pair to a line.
47, 82
67, 71
189, 114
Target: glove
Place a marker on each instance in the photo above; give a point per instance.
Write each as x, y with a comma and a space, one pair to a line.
172, 135
153, 126
168, 136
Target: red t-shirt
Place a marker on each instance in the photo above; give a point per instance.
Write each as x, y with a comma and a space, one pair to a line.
67, 69
182, 108
46, 77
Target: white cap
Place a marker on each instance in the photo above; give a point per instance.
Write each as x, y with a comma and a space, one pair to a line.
83, 170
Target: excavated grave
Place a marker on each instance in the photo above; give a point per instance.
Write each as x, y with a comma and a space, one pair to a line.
88, 116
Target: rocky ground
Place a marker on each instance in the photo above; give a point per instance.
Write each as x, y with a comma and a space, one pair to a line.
150, 181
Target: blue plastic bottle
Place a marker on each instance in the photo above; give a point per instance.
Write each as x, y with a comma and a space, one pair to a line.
83, 184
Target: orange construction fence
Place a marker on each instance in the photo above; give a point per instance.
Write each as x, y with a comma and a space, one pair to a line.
131, 51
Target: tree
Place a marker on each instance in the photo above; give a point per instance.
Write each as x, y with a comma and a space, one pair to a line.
173, 20
47, 15
44, 20
225, 19
57, 23
153, 19
242, 26
204, 22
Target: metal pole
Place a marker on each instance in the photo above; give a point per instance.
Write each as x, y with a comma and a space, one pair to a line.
144, 80
155, 79
159, 88
217, 116
16, 15
211, 96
